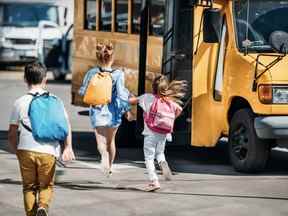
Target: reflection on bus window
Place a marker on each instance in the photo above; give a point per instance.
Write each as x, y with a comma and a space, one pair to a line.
27, 15
106, 15
157, 14
122, 16
136, 11
90, 15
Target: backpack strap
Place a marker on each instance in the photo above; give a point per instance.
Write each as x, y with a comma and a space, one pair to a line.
26, 126
110, 71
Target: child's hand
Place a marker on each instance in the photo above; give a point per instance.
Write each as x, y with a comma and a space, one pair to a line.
68, 154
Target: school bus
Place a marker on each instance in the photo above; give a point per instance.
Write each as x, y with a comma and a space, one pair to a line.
232, 52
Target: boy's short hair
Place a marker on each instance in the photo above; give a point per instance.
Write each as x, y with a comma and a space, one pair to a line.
34, 73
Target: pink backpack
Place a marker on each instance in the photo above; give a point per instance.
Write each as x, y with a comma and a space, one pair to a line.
161, 116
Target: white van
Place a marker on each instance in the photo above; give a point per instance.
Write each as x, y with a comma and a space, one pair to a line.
42, 30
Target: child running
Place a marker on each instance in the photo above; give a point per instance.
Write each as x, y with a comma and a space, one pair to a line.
37, 159
160, 110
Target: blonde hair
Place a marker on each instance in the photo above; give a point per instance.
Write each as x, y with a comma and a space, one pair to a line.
104, 53
174, 90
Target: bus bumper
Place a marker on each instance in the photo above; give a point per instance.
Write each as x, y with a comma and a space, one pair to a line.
271, 127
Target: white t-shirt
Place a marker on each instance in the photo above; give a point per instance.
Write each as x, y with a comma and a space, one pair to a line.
26, 140
145, 101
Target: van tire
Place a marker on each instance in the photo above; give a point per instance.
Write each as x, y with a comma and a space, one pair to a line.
247, 152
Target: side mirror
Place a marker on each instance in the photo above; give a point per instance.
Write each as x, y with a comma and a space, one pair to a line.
212, 22
65, 16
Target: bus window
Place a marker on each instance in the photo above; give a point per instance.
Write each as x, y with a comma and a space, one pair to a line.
90, 15
122, 16
106, 15
136, 11
157, 17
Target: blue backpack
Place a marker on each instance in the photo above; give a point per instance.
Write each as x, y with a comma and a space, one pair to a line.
47, 117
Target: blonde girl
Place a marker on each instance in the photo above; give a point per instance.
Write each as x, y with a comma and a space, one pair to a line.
105, 119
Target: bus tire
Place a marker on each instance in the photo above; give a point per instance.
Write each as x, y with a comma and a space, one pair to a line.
247, 152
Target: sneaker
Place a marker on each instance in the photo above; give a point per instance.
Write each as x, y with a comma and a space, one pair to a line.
166, 170
41, 212
153, 186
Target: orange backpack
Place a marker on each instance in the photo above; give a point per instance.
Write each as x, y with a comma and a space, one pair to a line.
99, 90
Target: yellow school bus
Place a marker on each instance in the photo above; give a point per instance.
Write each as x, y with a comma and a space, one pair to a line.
232, 52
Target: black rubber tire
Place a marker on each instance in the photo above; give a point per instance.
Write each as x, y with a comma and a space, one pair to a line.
247, 152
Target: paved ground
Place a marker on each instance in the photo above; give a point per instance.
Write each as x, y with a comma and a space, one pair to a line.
204, 183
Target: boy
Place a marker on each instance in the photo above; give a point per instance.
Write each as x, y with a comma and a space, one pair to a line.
36, 160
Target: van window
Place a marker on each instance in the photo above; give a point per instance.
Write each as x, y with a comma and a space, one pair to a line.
106, 15
27, 15
157, 15
90, 15
122, 16
136, 16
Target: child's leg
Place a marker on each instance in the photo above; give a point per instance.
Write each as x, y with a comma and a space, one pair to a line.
160, 149
111, 144
27, 164
101, 139
46, 164
149, 154
160, 156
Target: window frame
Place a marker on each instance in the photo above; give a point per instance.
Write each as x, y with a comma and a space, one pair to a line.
219, 72
85, 16
113, 17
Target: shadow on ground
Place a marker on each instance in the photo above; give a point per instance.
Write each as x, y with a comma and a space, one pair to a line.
182, 159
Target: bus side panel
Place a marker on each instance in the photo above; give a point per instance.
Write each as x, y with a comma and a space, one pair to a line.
126, 58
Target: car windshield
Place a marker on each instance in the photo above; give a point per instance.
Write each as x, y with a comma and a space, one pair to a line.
255, 20
27, 15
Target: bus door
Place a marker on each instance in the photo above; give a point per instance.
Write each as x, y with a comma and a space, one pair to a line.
177, 58
210, 43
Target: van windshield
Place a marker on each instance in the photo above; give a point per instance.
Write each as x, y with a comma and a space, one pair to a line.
27, 15
255, 20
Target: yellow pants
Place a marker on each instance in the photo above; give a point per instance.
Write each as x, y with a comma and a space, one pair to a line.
37, 171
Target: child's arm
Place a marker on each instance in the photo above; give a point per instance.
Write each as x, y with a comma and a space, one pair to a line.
13, 137
13, 128
68, 153
133, 100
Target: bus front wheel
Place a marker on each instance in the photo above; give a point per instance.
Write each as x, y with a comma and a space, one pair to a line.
247, 152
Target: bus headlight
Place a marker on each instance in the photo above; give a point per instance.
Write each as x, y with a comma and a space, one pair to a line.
269, 94
280, 95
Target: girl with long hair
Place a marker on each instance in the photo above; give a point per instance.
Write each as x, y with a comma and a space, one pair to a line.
160, 110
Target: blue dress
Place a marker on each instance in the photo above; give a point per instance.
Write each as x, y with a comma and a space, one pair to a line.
109, 115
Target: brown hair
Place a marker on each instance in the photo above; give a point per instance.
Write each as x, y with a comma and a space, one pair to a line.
104, 53
34, 73
174, 90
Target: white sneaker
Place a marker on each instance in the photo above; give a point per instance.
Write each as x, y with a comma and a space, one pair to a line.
166, 170
41, 212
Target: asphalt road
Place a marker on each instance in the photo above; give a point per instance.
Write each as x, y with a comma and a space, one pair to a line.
204, 182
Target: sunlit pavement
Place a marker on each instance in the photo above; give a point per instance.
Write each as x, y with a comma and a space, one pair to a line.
203, 182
